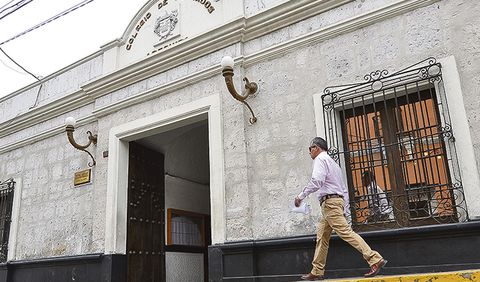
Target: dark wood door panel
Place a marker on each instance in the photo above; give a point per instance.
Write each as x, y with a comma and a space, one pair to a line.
146, 220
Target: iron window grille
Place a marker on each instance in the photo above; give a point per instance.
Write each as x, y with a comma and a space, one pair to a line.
393, 135
6, 202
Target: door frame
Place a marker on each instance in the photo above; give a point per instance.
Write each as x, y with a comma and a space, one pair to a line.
117, 177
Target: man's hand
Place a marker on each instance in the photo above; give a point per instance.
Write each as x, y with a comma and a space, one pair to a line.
297, 201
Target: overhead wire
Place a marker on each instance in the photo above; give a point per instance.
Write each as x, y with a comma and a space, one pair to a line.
67, 11
15, 7
7, 66
6, 4
36, 77
10, 58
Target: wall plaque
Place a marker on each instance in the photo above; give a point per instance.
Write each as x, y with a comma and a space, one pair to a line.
82, 177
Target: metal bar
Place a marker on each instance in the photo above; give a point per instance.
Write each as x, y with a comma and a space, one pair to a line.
426, 127
421, 165
407, 126
6, 202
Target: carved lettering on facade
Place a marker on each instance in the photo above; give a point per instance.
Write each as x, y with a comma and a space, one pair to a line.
162, 4
137, 28
207, 4
130, 41
165, 24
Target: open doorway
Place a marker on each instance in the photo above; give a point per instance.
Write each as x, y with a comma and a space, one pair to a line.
168, 213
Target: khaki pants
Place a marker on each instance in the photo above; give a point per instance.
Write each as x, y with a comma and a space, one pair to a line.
334, 219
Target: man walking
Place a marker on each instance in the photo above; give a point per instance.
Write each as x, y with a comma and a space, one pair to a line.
333, 197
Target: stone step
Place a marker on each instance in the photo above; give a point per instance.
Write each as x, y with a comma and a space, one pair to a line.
454, 276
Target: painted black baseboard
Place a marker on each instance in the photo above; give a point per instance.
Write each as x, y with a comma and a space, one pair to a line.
411, 250
88, 268
414, 250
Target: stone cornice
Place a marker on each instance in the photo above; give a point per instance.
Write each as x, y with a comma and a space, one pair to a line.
158, 91
226, 35
287, 14
240, 30
45, 134
52, 75
337, 29
237, 31
40, 114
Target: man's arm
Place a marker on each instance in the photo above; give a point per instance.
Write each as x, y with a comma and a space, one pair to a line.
312, 187
317, 181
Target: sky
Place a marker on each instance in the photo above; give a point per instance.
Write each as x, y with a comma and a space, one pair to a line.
61, 42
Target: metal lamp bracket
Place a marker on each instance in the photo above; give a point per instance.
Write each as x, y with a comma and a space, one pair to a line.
92, 139
250, 89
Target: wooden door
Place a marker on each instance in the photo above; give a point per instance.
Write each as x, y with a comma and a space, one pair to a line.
145, 215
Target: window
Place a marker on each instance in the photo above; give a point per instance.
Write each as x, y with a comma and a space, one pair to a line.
392, 134
186, 228
6, 202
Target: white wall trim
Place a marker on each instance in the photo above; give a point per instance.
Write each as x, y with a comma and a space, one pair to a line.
192, 49
240, 30
158, 91
53, 75
461, 130
318, 112
336, 29
117, 186
37, 115
320, 129
244, 29
44, 135
285, 14
12, 239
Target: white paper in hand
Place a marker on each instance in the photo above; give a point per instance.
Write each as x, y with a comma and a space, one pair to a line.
303, 208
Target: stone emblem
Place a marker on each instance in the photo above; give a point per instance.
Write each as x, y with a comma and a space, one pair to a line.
165, 24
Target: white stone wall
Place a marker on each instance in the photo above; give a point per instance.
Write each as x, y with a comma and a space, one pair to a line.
266, 164
277, 144
55, 218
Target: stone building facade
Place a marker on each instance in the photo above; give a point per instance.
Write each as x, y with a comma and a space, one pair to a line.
160, 87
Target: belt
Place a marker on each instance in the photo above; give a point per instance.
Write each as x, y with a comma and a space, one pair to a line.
329, 196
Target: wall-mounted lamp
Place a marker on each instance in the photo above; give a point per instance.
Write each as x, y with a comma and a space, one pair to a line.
70, 128
250, 87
